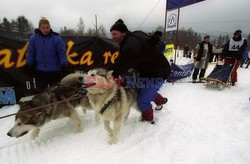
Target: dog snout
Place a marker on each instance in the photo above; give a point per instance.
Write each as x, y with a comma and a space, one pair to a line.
80, 79
9, 134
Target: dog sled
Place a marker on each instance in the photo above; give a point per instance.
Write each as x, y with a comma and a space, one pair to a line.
219, 77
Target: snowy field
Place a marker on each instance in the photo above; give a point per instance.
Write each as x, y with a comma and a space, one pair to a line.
199, 125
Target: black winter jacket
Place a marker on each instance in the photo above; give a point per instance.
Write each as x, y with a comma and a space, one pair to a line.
226, 53
136, 51
200, 52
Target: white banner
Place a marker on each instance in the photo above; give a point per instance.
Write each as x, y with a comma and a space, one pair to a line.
172, 20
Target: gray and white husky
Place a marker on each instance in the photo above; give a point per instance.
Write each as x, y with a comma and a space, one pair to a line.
32, 120
110, 100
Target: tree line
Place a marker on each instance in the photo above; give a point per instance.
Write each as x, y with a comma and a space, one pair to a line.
22, 25
192, 38
185, 36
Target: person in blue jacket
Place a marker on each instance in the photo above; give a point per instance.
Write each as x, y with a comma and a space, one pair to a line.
46, 54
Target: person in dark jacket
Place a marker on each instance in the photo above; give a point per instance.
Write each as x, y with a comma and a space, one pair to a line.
156, 38
136, 51
186, 51
46, 54
202, 54
233, 53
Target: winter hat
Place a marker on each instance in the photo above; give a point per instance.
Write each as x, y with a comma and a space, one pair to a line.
158, 33
119, 26
238, 32
207, 36
43, 20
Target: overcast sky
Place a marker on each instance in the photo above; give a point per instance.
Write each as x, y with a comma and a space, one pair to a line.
208, 16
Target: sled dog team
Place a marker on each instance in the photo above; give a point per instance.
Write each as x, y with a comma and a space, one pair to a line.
111, 104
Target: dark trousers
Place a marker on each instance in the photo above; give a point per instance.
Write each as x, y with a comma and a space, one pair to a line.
46, 79
196, 72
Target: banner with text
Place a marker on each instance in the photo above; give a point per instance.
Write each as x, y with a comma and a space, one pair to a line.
169, 50
16, 81
180, 71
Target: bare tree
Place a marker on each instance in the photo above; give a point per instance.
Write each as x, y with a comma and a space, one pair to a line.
102, 31
80, 27
67, 31
91, 32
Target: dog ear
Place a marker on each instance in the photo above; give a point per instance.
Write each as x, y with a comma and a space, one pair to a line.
109, 73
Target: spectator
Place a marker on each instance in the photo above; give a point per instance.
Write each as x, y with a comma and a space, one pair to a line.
156, 38
244, 58
202, 54
186, 51
233, 52
216, 54
248, 59
46, 54
136, 51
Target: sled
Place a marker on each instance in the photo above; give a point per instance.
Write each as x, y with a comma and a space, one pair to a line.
219, 77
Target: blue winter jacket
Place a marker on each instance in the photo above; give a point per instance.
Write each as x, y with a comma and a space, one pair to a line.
46, 53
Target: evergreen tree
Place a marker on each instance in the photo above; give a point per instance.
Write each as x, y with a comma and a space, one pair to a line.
23, 25
14, 27
6, 26
220, 41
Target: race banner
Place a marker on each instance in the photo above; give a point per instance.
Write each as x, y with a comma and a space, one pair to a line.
180, 71
174, 4
16, 81
172, 20
169, 50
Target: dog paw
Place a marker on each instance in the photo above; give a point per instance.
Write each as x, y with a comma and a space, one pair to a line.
80, 130
35, 133
34, 136
113, 141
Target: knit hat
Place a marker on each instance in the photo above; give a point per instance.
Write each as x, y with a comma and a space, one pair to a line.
207, 36
158, 33
119, 26
238, 32
43, 20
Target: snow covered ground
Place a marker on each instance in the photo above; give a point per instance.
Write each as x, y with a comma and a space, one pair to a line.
199, 125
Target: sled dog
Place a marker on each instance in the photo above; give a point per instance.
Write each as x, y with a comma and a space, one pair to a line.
32, 120
110, 100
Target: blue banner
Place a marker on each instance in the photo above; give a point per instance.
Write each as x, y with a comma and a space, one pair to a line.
174, 4
180, 71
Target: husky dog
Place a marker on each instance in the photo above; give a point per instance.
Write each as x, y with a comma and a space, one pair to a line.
27, 120
110, 100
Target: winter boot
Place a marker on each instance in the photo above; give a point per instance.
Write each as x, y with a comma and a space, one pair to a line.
148, 116
160, 101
